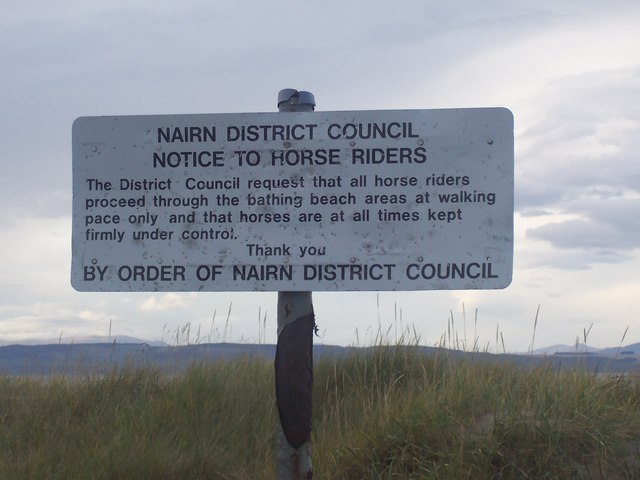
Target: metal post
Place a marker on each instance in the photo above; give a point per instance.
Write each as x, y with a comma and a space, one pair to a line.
294, 355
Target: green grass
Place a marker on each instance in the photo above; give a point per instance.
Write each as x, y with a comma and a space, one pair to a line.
385, 412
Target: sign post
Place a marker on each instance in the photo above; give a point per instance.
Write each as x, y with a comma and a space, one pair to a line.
294, 355
297, 202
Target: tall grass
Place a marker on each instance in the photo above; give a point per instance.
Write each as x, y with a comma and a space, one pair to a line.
395, 415
383, 412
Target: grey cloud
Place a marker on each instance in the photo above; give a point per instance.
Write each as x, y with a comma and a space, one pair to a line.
576, 259
581, 159
585, 234
587, 134
607, 223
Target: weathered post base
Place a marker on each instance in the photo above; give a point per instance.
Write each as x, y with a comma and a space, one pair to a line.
293, 464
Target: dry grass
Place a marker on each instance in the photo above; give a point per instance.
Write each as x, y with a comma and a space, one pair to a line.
384, 412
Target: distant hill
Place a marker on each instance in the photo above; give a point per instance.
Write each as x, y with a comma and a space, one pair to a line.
99, 358
633, 349
561, 348
86, 339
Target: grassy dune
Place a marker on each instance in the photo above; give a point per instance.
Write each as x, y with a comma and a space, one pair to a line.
384, 412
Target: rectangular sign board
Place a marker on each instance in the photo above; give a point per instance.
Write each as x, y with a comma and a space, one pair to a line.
318, 201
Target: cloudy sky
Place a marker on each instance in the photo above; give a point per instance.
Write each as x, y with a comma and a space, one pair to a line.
569, 71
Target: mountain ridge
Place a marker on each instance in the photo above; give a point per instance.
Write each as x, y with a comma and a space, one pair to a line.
126, 339
101, 358
83, 339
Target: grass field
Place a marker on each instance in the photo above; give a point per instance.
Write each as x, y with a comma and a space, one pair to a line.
382, 413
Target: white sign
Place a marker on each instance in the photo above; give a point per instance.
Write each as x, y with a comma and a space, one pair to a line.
364, 200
